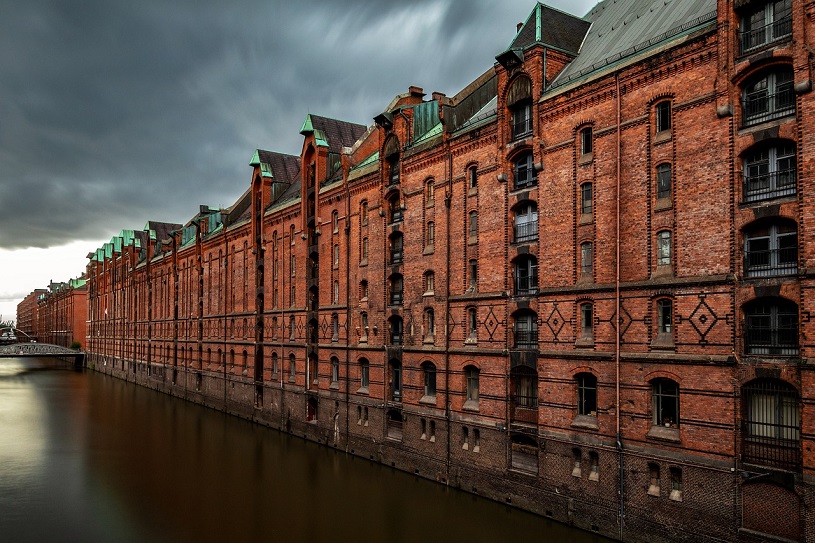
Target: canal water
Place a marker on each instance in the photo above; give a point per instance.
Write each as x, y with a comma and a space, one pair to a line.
86, 457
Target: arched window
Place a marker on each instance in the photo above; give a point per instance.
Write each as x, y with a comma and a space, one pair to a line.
429, 283
395, 208
586, 142
395, 371
430, 235
771, 248
292, 368
364, 373
763, 23
396, 246
473, 225
526, 222
770, 171
586, 320
524, 171
665, 308
768, 96
429, 376
526, 329
396, 286
429, 324
519, 102
526, 275
430, 192
771, 326
472, 177
472, 376
335, 221
586, 394
586, 198
275, 364
396, 330
664, 183
335, 370
772, 430
363, 212
663, 116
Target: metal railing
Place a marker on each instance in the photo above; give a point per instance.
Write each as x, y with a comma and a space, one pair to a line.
760, 106
767, 34
526, 231
771, 431
770, 185
521, 128
763, 338
526, 339
771, 262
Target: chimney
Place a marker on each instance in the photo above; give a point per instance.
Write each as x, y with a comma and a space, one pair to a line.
518, 27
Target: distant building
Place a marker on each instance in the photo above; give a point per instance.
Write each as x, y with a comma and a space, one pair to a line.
583, 284
27, 319
62, 313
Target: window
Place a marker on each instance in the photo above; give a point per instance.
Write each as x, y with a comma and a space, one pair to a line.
772, 430
292, 295
363, 290
430, 235
771, 249
664, 316
524, 171
768, 96
363, 317
291, 234
313, 370
393, 169
526, 330
335, 221
429, 372
676, 484
524, 388
363, 212
767, 23
472, 323
336, 296
430, 192
396, 330
586, 320
666, 403
586, 141
653, 479
335, 370
473, 274
771, 327
471, 374
336, 256
275, 364
291, 328
429, 324
586, 394
465, 438
396, 243
664, 248
395, 368
395, 208
396, 286
429, 283
526, 275
577, 456
664, 181
594, 462
364, 251
586, 198
770, 172
472, 177
292, 368
335, 327
521, 120
663, 113
364, 373
473, 222
526, 222
586, 261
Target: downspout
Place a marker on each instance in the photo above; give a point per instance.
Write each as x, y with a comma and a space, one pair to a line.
617, 310
347, 308
448, 197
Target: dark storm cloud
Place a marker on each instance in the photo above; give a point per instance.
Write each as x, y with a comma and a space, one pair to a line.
115, 113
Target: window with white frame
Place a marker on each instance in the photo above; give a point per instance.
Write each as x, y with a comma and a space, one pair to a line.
664, 248
763, 23
768, 96
770, 171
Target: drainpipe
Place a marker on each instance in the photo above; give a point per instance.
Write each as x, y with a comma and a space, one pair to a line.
347, 305
448, 197
617, 308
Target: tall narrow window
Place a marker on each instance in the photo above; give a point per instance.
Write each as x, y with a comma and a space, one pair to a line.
396, 287
770, 172
473, 274
430, 235
292, 368
586, 394
664, 316
336, 297
430, 192
472, 375
335, 370
364, 251
586, 199
473, 222
472, 177
768, 96
335, 221
663, 113
429, 283
586, 141
526, 275
664, 249
429, 373
472, 323
364, 373
666, 403
363, 290
429, 324
396, 242
765, 23
664, 181
586, 261
521, 120
363, 213
772, 431
526, 222
335, 327
524, 171
586, 320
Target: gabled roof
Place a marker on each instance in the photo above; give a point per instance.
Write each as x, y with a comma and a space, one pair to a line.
332, 133
623, 29
553, 28
162, 229
280, 167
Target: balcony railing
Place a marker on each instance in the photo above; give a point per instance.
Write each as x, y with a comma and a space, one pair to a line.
396, 257
770, 185
521, 128
773, 32
397, 215
396, 298
526, 339
764, 339
771, 262
527, 231
524, 409
759, 106
525, 286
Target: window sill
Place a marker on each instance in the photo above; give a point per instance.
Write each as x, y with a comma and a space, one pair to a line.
429, 250
663, 433
428, 400
429, 340
663, 341
472, 240
429, 293
585, 159
663, 203
471, 405
584, 342
334, 386
588, 422
653, 491
363, 339
666, 270
430, 203
586, 218
663, 136
472, 191
363, 262
362, 390
471, 341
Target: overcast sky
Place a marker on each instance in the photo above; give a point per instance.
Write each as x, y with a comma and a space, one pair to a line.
114, 113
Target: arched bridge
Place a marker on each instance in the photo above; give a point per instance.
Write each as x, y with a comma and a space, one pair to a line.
18, 350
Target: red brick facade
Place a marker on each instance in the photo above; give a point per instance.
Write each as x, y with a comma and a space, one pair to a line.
587, 295
62, 314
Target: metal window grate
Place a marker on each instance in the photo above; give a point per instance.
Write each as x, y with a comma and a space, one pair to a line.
771, 428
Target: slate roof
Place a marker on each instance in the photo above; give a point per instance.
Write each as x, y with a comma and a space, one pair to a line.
623, 29
162, 229
552, 27
336, 134
284, 167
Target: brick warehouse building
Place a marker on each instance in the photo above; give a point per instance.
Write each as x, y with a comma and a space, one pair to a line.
581, 285
62, 313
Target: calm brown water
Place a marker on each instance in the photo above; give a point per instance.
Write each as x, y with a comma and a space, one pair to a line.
84, 457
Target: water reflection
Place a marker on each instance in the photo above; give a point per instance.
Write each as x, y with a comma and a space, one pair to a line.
123, 463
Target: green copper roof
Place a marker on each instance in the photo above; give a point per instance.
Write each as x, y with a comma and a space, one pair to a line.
307, 127
374, 158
